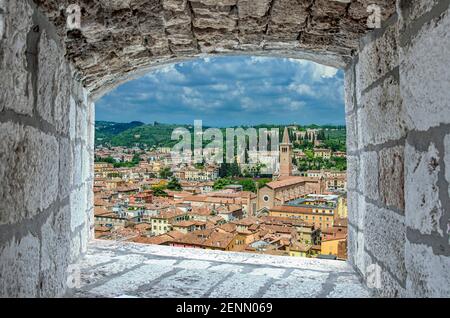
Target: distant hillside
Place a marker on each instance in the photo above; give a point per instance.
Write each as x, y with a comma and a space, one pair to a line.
159, 135
105, 129
130, 134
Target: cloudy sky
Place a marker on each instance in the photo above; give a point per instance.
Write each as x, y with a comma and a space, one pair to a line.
225, 91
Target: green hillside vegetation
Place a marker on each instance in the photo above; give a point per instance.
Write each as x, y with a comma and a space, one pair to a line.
159, 135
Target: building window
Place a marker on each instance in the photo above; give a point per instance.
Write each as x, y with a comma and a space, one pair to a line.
266, 198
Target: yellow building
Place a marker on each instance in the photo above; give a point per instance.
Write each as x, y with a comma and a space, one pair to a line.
321, 217
299, 250
163, 222
335, 246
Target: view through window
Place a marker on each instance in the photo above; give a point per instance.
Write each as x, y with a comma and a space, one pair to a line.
231, 153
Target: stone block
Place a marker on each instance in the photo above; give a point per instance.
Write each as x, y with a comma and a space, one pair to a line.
174, 5
447, 160
368, 174
352, 245
352, 206
66, 166
53, 84
78, 165
385, 234
349, 85
56, 244
423, 208
380, 281
353, 170
82, 123
87, 165
424, 84
256, 9
29, 171
410, 11
391, 177
381, 117
428, 274
378, 58
352, 132
360, 262
75, 247
356, 208
16, 88
72, 118
77, 208
19, 260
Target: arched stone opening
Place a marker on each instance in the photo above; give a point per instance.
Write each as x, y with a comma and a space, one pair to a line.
397, 116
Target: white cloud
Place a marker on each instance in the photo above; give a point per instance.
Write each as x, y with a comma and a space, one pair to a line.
314, 70
302, 89
323, 71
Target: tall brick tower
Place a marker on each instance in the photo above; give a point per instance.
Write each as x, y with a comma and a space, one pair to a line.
285, 155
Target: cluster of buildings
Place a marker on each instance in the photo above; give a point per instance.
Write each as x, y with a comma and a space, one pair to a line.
293, 215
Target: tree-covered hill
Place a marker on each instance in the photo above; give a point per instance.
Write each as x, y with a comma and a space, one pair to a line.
159, 134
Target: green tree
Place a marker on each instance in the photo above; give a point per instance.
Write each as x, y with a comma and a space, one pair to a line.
165, 173
158, 191
248, 185
173, 184
221, 183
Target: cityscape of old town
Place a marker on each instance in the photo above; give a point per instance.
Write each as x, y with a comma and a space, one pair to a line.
291, 202
232, 151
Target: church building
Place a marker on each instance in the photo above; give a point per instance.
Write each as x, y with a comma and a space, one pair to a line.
287, 187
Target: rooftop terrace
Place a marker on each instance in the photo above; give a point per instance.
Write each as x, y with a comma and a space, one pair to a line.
122, 269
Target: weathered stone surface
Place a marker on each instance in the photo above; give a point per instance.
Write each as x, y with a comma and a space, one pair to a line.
29, 158
356, 208
428, 274
352, 131
385, 234
78, 201
118, 38
77, 171
16, 89
368, 174
447, 161
353, 168
55, 250
81, 123
391, 177
382, 106
72, 118
412, 10
423, 206
351, 245
421, 62
160, 271
380, 281
53, 86
254, 9
352, 199
175, 5
349, 85
372, 65
18, 261
66, 165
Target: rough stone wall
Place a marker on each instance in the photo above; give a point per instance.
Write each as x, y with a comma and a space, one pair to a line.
120, 38
398, 125
46, 153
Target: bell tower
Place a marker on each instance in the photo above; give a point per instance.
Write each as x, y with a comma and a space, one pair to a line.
285, 155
